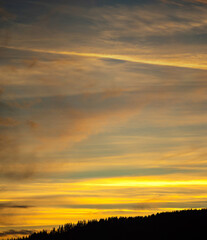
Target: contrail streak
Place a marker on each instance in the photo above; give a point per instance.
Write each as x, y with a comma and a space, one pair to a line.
128, 58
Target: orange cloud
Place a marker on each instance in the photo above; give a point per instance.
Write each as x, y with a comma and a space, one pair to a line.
80, 126
8, 122
32, 124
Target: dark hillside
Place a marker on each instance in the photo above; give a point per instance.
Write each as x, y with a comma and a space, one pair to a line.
187, 224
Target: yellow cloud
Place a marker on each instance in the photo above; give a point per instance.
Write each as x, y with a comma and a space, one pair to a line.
130, 58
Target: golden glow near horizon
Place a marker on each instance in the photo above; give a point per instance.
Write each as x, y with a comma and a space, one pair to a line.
102, 110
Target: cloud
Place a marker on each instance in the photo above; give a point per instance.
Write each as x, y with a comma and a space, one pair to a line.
14, 233
57, 129
24, 104
129, 58
5, 15
31, 62
111, 93
78, 126
135, 22
32, 124
8, 122
9, 205
6, 19
60, 123
184, 1
142, 34
102, 99
15, 163
116, 206
201, 1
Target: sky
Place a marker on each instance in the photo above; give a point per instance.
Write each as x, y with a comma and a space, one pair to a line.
103, 110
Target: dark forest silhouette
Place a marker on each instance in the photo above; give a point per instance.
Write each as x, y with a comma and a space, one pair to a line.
186, 224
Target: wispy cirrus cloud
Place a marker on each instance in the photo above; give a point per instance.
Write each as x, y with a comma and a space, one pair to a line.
124, 32
101, 98
129, 58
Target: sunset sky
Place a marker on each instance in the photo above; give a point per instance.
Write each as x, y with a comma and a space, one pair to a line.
103, 110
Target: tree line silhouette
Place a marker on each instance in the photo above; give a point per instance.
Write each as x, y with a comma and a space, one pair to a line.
185, 224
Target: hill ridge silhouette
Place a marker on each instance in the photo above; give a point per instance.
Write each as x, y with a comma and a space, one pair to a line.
184, 224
